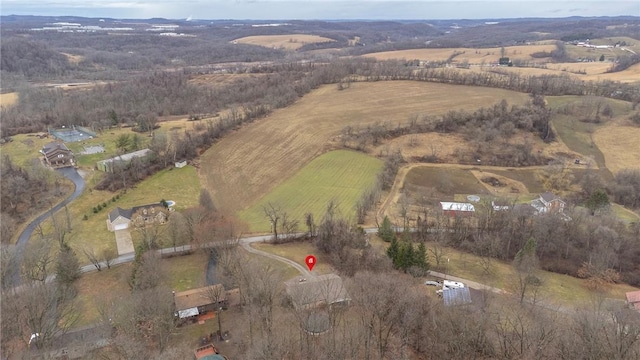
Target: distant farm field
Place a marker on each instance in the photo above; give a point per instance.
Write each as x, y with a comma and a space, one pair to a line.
8, 99
475, 56
337, 175
247, 164
288, 42
620, 146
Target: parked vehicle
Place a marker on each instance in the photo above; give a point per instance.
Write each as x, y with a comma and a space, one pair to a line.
432, 283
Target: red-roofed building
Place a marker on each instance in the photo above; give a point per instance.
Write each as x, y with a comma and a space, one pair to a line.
633, 299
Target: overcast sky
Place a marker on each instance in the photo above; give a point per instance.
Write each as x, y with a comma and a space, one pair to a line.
321, 9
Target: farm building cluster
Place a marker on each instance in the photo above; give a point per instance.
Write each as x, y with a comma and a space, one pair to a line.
545, 203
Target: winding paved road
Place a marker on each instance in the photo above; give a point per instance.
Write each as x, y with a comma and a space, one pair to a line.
23, 239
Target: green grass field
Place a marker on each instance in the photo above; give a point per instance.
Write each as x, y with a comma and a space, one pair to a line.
340, 175
180, 185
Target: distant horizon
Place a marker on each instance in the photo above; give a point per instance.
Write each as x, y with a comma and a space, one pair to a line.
323, 10
325, 19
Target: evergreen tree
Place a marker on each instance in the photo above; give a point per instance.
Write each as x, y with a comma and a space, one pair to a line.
421, 257
385, 231
410, 256
393, 250
598, 200
68, 265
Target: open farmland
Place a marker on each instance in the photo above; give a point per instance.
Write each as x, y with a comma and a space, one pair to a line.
337, 175
474, 56
8, 99
288, 42
578, 135
620, 147
248, 164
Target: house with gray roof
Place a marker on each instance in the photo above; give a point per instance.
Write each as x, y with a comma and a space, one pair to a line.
57, 154
121, 219
548, 202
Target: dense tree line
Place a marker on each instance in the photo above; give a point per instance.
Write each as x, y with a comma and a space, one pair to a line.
563, 246
32, 59
626, 188
165, 93
625, 62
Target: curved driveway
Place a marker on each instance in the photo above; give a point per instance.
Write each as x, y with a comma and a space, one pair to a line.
23, 239
246, 244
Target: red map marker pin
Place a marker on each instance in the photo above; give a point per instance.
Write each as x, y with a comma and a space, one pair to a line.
310, 260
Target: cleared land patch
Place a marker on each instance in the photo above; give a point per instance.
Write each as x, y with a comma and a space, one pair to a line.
337, 175
620, 147
8, 99
447, 182
247, 164
527, 177
288, 42
416, 146
475, 56
221, 79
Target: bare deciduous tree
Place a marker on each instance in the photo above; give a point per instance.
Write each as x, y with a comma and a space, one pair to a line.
274, 214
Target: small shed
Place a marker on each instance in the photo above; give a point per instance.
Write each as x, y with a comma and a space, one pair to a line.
181, 164
457, 209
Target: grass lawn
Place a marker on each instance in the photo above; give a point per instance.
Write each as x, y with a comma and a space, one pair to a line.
341, 175
182, 272
298, 251
526, 176
101, 285
186, 272
624, 214
447, 181
285, 271
180, 185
